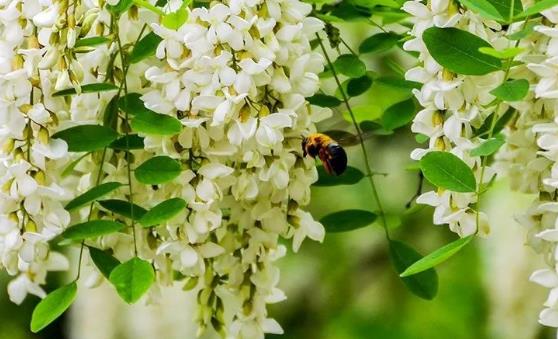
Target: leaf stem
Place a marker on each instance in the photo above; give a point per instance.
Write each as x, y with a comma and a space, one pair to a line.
369, 172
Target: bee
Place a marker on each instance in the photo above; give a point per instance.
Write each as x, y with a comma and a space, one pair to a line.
332, 155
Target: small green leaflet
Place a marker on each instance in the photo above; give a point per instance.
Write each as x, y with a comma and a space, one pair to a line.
158, 170
121, 7
438, 256
537, 8
380, 42
103, 261
523, 33
347, 220
398, 115
351, 176
145, 120
145, 48
445, 170
132, 279
92, 195
458, 51
87, 138
357, 86
504, 54
324, 100
91, 41
53, 306
489, 146
123, 208
500, 123
110, 115
92, 229
127, 143
424, 284
71, 166
89, 88
511, 90
162, 212
350, 65
499, 10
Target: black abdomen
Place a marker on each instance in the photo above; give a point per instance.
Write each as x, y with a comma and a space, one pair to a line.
337, 158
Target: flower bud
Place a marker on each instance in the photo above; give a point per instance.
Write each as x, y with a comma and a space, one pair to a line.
43, 136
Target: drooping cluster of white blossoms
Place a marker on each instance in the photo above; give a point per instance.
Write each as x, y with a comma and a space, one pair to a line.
452, 105
531, 156
235, 73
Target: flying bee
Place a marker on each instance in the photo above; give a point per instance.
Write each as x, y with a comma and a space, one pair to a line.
332, 155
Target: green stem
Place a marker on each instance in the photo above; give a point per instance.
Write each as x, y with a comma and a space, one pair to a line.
369, 172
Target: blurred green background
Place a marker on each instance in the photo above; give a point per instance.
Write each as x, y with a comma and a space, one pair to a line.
346, 288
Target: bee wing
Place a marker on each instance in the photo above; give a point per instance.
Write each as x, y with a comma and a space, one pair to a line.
347, 139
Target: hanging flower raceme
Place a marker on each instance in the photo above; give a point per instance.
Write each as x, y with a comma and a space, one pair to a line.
172, 147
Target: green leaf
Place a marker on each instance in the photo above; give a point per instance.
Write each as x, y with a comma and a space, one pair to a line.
351, 176
87, 138
70, 168
504, 54
488, 147
53, 306
398, 115
350, 65
511, 90
438, 256
92, 229
499, 10
128, 142
324, 100
524, 32
121, 7
175, 20
89, 88
458, 51
91, 41
356, 87
123, 208
424, 284
158, 170
132, 279
92, 195
103, 261
500, 123
145, 48
110, 115
421, 138
380, 42
446, 170
363, 113
537, 8
162, 212
347, 220
145, 120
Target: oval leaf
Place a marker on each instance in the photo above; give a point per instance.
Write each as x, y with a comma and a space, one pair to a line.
488, 147
398, 115
53, 306
147, 121
512, 90
356, 87
92, 229
132, 279
324, 100
158, 170
89, 88
128, 142
162, 212
438, 256
145, 48
87, 138
424, 284
347, 220
123, 208
350, 65
103, 261
458, 51
92, 195
446, 170
351, 176
91, 41
379, 43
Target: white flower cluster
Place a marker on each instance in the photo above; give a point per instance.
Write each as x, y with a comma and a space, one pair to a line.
452, 105
236, 75
533, 157
31, 212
